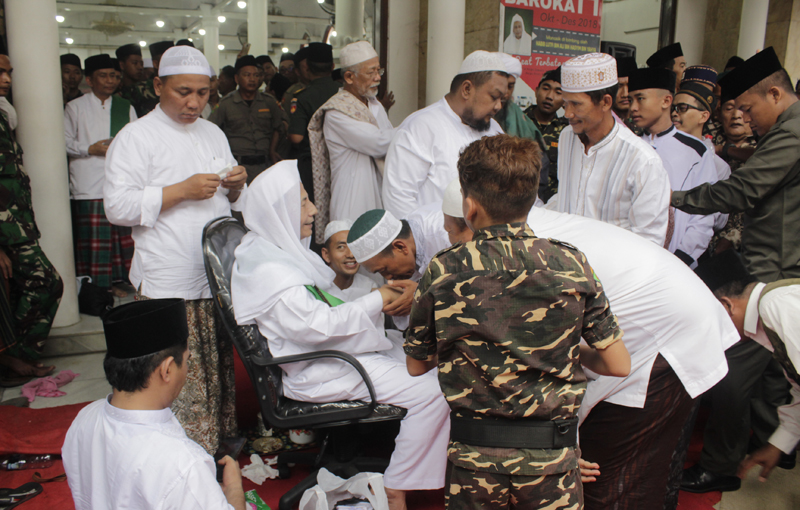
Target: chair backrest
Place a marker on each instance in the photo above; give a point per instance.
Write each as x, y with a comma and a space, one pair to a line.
220, 239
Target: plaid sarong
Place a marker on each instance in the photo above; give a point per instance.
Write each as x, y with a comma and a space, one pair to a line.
102, 251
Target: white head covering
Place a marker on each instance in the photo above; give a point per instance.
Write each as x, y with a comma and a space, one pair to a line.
592, 71
183, 60
376, 230
272, 258
335, 227
516, 18
513, 65
355, 53
452, 202
479, 61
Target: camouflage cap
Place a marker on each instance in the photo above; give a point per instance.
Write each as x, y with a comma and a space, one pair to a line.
371, 233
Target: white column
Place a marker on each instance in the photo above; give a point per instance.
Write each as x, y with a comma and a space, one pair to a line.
33, 50
211, 44
349, 21
690, 29
753, 27
257, 27
402, 58
445, 46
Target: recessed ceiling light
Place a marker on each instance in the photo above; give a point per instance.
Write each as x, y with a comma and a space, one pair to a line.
142, 43
60, 18
202, 31
191, 40
221, 46
159, 23
69, 40
242, 4
221, 19
285, 49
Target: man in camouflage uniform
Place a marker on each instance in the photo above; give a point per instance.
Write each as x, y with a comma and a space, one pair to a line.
34, 286
135, 89
502, 317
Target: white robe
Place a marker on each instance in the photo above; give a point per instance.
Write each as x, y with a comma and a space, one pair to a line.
352, 145
423, 155
620, 181
521, 46
145, 157
87, 120
661, 305
137, 460
361, 286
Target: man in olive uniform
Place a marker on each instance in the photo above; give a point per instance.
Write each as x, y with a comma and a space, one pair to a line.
510, 362
138, 91
545, 115
33, 285
250, 119
315, 65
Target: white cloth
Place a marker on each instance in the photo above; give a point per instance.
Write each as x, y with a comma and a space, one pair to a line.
687, 169
423, 155
206, 111
779, 311
145, 157
513, 65
360, 287
137, 460
521, 46
10, 111
723, 172
294, 322
352, 145
661, 305
620, 181
452, 203
87, 120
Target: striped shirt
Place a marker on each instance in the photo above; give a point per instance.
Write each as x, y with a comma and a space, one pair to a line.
620, 181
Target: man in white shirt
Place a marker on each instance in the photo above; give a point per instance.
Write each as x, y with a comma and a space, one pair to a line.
128, 450
102, 251
606, 172
167, 175
686, 159
423, 154
349, 137
335, 252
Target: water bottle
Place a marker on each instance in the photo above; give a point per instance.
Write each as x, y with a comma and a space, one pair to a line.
18, 461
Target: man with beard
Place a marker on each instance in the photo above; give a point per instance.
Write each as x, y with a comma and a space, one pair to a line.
349, 137
422, 158
71, 75
605, 171
544, 116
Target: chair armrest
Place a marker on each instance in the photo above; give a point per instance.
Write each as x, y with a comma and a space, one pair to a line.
258, 360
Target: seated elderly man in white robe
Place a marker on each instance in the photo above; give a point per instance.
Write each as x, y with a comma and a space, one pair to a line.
284, 288
422, 158
167, 175
676, 335
349, 137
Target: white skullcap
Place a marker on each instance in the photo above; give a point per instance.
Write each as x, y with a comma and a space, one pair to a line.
335, 227
371, 233
355, 53
480, 61
452, 201
183, 60
148, 62
593, 71
513, 65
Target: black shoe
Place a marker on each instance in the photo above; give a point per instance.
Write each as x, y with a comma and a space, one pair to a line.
787, 461
698, 480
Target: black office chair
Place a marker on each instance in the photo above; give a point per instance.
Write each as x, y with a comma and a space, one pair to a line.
220, 238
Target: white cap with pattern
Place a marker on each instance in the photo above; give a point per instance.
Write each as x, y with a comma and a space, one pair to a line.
335, 227
355, 53
592, 71
183, 60
480, 61
371, 233
513, 65
452, 202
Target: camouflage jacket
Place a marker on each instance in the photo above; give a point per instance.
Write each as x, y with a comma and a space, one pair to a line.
713, 129
505, 313
142, 96
17, 224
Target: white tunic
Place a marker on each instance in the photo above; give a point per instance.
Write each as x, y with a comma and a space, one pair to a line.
689, 164
423, 155
779, 311
145, 157
361, 286
723, 172
137, 460
87, 120
661, 305
352, 145
620, 181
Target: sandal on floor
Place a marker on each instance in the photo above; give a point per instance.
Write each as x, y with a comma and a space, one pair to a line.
10, 498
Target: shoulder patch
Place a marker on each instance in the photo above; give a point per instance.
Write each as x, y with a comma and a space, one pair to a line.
293, 107
562, 243
692, 142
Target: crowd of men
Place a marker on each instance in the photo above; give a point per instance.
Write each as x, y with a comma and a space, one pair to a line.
563, 290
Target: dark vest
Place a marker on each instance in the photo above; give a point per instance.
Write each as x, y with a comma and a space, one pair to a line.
777, 342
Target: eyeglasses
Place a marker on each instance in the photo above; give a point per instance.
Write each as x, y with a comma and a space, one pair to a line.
683, 108
372, 73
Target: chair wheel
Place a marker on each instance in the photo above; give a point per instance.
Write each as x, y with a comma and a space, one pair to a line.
283, 472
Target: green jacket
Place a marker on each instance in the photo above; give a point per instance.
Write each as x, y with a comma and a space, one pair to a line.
142, 96
767, 189
17, 223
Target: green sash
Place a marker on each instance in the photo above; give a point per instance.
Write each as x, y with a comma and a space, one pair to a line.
120, 114
323, 296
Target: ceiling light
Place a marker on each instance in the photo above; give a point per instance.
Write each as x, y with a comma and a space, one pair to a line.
159, 24
69, 40
202, 31
60, 18
333, 33
191, 40
221, 47
142, 43
242, 5
221, 19
320, 1
285, 49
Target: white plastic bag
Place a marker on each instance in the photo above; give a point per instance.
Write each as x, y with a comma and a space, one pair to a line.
331, 489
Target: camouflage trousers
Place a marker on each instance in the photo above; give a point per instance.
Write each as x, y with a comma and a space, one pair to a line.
34, 292
466, 489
